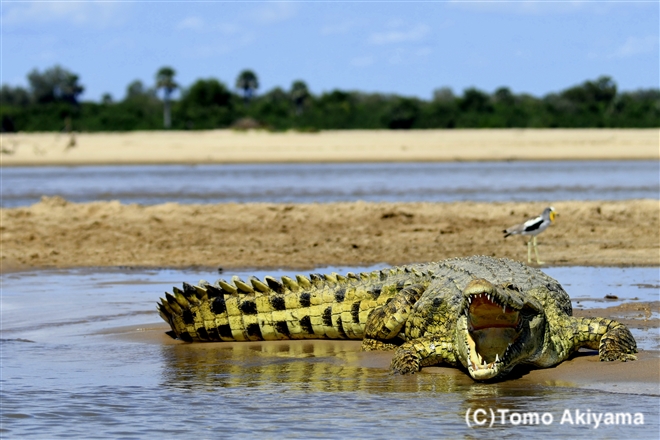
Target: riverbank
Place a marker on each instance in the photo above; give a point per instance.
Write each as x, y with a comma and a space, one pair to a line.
229, 146
58, 233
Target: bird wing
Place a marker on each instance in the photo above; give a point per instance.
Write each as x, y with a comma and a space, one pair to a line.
530, 225
533, 224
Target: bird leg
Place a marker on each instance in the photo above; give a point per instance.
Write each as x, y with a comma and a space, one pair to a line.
536, 251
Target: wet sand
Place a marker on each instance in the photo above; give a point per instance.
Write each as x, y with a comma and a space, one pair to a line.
228, 146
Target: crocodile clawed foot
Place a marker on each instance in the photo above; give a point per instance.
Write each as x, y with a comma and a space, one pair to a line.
623, 357
617, 345
405, 362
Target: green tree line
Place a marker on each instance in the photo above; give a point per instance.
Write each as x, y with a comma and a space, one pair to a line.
52, 98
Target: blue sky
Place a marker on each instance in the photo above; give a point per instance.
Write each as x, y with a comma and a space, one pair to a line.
406, 47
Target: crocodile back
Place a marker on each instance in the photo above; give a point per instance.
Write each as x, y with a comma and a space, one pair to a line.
333, 306
316, 307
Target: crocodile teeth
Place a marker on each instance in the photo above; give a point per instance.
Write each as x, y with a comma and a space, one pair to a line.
497, 357
504, 308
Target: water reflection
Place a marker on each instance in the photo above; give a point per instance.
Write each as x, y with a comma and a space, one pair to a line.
328, 366
320, 366
309, 381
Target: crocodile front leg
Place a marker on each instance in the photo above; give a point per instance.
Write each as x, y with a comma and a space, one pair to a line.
612, 339
422, 352
385, 323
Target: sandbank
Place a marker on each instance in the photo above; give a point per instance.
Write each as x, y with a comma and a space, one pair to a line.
229, 146
58, 233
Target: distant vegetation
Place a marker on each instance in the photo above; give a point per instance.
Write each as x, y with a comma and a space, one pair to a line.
51, 103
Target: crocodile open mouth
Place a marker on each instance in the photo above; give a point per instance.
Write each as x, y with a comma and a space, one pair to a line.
493, 334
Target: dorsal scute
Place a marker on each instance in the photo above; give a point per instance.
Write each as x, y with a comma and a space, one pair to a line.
290, 284
164, 306
173, 304
317, 279
179, 298
259, 285
274, 284
331, 278
227, 287
303, 281
190, 292
241, 285
201, 291
213, 291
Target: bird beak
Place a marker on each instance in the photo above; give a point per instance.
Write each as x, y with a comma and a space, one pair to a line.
552, 216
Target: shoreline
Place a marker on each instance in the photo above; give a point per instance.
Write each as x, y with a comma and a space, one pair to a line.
338, 146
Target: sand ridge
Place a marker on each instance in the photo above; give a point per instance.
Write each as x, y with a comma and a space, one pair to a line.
58, 233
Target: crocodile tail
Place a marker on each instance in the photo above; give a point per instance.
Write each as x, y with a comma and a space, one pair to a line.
315, 307
612, 339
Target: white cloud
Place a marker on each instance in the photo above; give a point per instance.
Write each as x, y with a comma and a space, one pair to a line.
78, 13
423, 51
635, 46
275, 12
364, 61
191, 23
228, 28
220, 45
198, 24
338, 28
522, 6
416, 33
396, 57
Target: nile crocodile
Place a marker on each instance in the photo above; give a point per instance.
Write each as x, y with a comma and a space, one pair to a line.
483, 314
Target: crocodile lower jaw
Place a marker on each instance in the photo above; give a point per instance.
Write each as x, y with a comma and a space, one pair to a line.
478, 368
486, 372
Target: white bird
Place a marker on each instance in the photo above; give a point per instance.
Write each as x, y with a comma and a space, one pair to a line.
533, 227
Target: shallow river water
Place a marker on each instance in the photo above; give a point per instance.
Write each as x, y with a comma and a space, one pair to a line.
84, 356
336, 182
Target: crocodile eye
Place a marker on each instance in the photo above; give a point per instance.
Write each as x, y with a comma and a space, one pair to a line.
511, 286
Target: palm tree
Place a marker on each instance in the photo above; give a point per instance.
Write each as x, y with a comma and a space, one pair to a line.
165, 81
299, 94
247, 82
